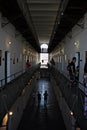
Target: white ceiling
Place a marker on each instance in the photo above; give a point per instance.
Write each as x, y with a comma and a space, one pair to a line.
43, 13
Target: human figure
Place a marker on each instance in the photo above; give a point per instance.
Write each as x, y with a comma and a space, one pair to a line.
72, 69
85, 73
39, 97
27, 64
45, 97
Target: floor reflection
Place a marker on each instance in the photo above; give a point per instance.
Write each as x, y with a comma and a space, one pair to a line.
42, 114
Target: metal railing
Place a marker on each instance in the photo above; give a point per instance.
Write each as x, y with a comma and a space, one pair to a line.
74, 94
12, 90
9, 78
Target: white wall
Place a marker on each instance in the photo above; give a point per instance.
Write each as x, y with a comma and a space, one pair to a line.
16, 49
67, 48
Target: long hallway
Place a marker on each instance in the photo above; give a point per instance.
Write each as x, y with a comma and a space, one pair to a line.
41, 116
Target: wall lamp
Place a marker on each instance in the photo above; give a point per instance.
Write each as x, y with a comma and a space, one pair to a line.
10, 113
76, 43
71, 113
9, 42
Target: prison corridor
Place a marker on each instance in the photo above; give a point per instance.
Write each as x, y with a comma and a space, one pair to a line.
41, 115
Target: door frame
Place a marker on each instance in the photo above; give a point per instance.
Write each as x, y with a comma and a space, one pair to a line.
7, 66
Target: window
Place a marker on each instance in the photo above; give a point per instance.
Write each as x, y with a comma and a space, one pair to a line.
44, 54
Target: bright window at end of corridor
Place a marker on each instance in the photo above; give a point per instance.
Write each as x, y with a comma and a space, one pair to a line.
44, 54
44, 58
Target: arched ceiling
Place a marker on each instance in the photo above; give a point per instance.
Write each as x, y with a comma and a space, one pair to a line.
43, 21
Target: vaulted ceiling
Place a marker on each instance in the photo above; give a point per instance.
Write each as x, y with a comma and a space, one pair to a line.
43, 21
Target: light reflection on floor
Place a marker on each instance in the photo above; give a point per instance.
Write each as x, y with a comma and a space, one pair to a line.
44, 66
42, 86
38, 116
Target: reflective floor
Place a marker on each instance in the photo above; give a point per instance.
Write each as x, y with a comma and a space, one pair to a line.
42, 115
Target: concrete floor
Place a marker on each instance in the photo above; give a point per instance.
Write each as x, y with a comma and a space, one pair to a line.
41, 116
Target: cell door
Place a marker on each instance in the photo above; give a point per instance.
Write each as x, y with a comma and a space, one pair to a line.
77, 55
7, 67
85, 55
85, 89
62, 62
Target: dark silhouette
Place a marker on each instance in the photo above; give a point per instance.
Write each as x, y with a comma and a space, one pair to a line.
85, 74
27, 64
39, 97
45, 97
72, 69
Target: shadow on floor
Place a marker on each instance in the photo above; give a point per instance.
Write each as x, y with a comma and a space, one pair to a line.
41, 116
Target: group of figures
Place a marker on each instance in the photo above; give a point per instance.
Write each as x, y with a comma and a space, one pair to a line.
45, 97
74, 77
74, 71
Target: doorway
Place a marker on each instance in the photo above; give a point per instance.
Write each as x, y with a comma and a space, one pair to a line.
77, 64
44, 55
85, 55
7, 67
77, 55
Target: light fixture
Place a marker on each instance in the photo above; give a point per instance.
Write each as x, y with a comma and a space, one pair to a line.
71, 113
9, 42
76, 43
24, 50
10, 113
